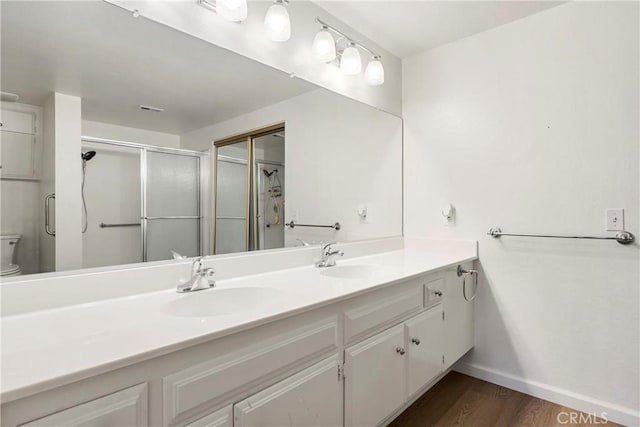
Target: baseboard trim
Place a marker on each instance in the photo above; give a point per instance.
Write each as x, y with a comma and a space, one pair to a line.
615, 413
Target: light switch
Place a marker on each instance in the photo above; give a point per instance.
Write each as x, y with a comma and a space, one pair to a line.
615, 219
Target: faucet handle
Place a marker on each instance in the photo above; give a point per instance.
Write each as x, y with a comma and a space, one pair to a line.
326, 246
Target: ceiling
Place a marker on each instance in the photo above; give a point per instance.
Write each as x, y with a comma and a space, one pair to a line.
405, 28
115, 63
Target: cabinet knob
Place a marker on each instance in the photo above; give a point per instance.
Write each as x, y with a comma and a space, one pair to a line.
400, 351
416, 341
438, 293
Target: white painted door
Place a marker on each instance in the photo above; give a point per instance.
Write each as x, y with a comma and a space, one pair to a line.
458, 316
312, 397
425, 348
124, 408
375, 378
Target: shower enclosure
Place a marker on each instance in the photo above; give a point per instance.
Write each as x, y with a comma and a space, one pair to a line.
250, 193
142, 203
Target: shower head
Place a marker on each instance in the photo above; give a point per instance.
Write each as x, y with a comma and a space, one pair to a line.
88, 155
268, 174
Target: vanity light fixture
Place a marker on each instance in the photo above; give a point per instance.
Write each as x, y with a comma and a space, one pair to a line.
351, 63
277, 24
326, 49
374, 73
324, 46
230, 10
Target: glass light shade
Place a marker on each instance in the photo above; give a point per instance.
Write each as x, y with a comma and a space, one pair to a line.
374, 73
232, 10
277, 24
324, 47
351, 64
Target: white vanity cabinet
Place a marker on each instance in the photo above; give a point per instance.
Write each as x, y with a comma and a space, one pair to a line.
312, 397
458, 314
123, 408
220, 418
375, 378
425, 348
356, 362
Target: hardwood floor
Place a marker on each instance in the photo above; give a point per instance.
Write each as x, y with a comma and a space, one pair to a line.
460, 400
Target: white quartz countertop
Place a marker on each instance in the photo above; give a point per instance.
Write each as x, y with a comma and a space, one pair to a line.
45, 349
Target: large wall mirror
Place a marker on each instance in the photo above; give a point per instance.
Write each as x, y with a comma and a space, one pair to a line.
126, 141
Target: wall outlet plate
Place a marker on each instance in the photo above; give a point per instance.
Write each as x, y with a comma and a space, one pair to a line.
614, 219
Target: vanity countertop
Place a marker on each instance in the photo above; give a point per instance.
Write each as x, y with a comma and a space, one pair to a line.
45, 349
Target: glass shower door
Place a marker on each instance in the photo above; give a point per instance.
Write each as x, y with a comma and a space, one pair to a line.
171, 211
232, 198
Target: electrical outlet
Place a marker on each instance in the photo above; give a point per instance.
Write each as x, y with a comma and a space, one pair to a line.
614, 219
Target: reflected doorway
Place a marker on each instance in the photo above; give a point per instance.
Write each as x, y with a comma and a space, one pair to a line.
249, 191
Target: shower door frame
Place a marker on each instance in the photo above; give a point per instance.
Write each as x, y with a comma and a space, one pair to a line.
143, 184
249, 138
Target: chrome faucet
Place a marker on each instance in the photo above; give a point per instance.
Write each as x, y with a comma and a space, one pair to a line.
201, 278
328, 255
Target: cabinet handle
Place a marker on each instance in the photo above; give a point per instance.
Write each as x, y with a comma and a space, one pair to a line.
416, 341
438, 293
400, 351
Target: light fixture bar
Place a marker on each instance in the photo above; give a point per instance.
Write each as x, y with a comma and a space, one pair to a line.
343, 35
211, 5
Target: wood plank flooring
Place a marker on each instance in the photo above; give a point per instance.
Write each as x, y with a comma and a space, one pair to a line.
460, 400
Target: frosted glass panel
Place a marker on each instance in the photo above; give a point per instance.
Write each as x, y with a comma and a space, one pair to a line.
232, 189
181, 235
231, 236
172, 185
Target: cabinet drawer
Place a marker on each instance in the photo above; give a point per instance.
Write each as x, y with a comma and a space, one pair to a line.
433, 291
312, 397
379, 310
245, 367
127, 407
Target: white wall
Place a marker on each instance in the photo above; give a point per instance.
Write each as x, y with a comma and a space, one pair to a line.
129, 134
112, 192
338, 153
293, 56
533, 127
67, 131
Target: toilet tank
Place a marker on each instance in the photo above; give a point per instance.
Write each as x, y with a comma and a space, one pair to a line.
7, 246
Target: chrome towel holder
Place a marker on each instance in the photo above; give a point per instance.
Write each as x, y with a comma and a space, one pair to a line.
622, 237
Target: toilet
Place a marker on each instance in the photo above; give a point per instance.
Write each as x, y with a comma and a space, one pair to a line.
7, 249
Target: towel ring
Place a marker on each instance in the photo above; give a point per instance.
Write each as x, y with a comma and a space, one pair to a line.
464, 274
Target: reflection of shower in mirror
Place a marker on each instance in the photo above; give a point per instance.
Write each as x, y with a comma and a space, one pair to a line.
86, 156
273, 198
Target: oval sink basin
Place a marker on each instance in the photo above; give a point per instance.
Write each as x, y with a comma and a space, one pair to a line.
348, 271
220, 302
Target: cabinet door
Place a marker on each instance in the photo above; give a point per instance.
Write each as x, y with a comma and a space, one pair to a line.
221, 418
17, 154
123, 408
375, 378
458, 317
312, 397
425, 348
